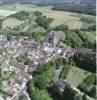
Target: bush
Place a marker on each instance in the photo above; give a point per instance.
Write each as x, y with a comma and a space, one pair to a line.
88, 83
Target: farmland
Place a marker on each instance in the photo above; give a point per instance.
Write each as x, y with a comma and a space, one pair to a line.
5, 13
11, 23
59, 17
68, 39
29, 25
76, 76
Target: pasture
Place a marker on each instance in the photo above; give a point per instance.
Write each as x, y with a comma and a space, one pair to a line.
5, 13
60, 17
11, 23
76, 76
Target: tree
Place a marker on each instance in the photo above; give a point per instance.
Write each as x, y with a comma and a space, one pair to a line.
41, 95
22, 97
93, 28
93, 92
69, 94
41, 81
24, 60
73, 39
65, 71
62, 27
36, 93
31, 88
84, 97
22, 15
44, 21
1, 23
55, 92
87, 85
38, 13
88, 38
86, 59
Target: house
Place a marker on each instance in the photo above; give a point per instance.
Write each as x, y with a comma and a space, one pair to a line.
62, 84
17, 65
3, 42
55, 36
29, 69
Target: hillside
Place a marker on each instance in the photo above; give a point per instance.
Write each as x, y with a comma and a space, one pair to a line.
50, 53
91, 2
79, 6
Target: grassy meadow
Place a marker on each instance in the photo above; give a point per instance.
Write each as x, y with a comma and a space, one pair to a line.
76, 76
60, 17
11, 23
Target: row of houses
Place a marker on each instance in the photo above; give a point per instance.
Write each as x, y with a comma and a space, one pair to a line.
16, 74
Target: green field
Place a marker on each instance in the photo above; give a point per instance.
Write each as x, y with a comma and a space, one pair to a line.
11, 23
76, 76
6, 13
60, 17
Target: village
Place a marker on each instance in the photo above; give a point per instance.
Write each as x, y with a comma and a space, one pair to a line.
47, 53
15, 72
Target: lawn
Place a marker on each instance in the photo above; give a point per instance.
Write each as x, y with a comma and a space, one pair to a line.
76, 76
11, 23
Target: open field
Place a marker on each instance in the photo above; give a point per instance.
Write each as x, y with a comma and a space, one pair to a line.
75, 24
76, 76
11, 23
89, 36
32, 28
5, 13
60, 17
